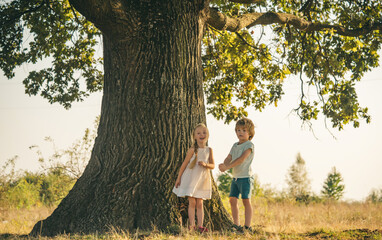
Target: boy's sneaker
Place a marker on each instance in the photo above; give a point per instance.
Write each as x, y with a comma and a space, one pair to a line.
202, 229
248, 229
237, 228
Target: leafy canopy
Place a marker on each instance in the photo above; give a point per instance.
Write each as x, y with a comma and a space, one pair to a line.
243, 68
35, 30
248, 68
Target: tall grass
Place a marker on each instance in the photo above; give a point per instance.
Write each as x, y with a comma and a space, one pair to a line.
21, 221
291, 217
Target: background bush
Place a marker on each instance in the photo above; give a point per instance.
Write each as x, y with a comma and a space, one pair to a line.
36, 189
52, 183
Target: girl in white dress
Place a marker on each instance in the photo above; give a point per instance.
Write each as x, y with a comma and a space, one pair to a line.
194, 179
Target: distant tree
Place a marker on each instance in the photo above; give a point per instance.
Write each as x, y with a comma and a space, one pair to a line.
333, 188
375, 196
297, 179
257, 189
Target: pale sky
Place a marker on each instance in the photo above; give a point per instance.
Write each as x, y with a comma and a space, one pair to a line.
356, 153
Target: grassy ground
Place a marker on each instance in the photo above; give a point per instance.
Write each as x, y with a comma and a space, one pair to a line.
316, 235
272, 220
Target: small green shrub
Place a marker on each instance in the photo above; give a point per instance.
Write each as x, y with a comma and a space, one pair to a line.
23, 194
55, 186
224, 182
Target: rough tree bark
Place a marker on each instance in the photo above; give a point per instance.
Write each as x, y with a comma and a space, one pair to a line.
152, 99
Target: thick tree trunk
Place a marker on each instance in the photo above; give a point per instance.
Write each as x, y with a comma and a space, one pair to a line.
153, 98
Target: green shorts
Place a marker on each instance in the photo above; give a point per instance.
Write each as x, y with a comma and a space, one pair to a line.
241, 186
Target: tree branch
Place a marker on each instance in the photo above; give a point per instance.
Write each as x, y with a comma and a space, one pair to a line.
18, 15
106, 14
93, 10
221, 21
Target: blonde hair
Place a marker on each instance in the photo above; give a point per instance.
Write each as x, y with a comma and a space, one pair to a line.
195, 145
247, 124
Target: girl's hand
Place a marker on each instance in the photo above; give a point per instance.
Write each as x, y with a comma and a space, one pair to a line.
177, 183
203, 164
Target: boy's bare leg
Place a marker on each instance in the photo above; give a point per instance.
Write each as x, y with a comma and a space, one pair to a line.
191, 211
247, 212
234, 210
199, 211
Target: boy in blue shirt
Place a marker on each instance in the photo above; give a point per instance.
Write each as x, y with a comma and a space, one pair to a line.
240, 159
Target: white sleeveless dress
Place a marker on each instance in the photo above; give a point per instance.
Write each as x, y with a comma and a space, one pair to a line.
196, 182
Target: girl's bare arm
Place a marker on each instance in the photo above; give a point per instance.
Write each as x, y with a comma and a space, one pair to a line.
189, 154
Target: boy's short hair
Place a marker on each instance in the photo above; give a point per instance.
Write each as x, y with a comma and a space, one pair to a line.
247, 124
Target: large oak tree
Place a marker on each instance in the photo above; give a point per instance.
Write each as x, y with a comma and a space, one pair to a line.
159, 58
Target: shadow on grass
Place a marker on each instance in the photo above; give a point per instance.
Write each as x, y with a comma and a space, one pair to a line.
12, 236
346, 234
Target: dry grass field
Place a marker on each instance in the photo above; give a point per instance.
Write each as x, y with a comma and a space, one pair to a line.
21, 221
272, 220
285, 217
